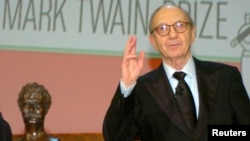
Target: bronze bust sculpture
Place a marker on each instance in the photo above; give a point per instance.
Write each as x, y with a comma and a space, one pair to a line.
34, 102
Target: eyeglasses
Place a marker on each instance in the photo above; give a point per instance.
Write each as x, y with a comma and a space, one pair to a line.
164, 29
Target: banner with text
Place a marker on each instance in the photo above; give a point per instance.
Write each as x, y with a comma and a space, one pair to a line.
103, 26
98, 26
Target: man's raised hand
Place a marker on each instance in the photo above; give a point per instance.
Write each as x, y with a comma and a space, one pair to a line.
131, 64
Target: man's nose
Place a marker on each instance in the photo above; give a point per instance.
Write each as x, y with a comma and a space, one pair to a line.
172, 33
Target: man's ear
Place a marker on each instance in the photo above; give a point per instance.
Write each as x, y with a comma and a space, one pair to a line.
152, 41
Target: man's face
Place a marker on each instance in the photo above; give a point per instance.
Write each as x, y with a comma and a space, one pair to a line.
174, 44
33, 110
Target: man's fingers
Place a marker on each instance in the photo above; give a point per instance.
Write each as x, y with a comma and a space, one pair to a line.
130, 46
128, 57
141, 58
133, 45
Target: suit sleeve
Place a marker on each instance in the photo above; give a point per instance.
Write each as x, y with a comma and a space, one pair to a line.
5, 130
119, 124
240, 99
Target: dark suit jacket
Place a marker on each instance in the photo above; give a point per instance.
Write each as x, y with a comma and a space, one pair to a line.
151, 111
5, 130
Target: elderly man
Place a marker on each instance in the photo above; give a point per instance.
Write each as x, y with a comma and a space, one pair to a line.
179, 99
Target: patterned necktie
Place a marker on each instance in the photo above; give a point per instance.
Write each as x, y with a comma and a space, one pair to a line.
185, 101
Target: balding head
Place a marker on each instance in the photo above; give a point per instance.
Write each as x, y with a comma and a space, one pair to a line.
168, 6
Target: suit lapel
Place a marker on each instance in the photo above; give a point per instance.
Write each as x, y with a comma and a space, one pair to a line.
161, 90
207, 82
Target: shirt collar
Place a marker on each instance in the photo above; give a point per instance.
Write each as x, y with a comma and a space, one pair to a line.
189, 69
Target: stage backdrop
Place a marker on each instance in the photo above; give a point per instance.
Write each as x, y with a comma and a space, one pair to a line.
74, 48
